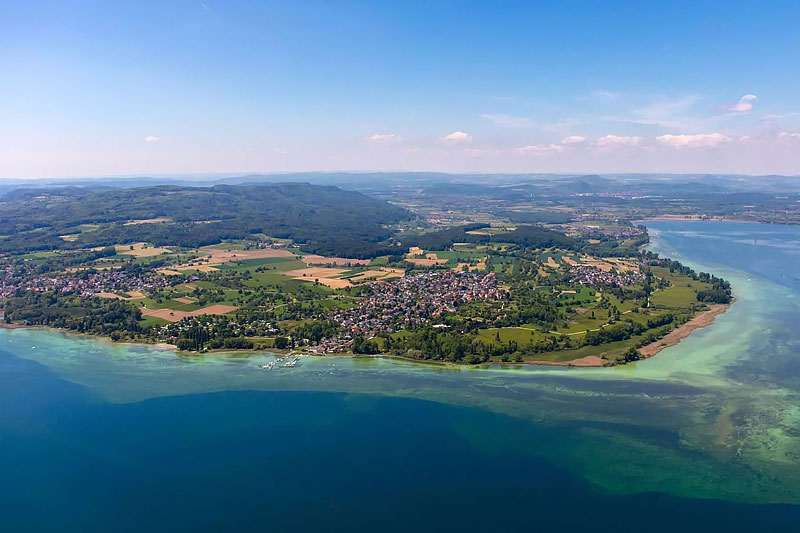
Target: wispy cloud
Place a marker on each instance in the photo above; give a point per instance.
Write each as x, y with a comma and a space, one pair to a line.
540, 149
700, 140
772, 117
385, 138
151, 139
457, 137
744, 104
664, 112
615, 141
573, 139
508, 121
605, 95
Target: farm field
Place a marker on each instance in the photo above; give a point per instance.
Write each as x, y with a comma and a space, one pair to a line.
212, 257
141, 249
130, 295
313, 259
174, 315
330, 277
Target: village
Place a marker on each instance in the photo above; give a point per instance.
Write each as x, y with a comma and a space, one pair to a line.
408, 302
88, 284
594, 277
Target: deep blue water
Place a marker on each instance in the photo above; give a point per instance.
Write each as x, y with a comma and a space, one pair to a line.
71, 460
293, 461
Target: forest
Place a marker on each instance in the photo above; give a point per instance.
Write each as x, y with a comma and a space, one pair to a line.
107, 317
323, 219
527, 236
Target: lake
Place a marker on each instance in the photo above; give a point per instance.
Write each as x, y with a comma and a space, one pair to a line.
706, 435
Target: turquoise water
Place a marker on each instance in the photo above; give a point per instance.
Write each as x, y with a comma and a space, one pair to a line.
100, 437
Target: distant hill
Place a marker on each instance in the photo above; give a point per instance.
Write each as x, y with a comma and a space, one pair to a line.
446, 189
326, 219
443, 184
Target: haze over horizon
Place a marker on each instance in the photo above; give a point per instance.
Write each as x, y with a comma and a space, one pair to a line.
94, 89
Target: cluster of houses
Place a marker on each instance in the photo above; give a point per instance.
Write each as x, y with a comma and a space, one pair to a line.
272, 245
409, 302
602, 231
83, 283
218, 326
593, 276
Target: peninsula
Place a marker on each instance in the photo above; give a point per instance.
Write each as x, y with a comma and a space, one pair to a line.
327, 271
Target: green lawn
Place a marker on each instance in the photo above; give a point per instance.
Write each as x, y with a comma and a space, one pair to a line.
150, 303
247, 264
681, 294
521, 335
607, 351
585, 322
267, 342
152, 321
457, 255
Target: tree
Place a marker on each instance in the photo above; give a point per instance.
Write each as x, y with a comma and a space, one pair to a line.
281, 343
632, 354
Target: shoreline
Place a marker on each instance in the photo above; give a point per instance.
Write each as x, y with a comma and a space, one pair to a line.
692, 218
699, 321
159, 345
587, 361
702, 320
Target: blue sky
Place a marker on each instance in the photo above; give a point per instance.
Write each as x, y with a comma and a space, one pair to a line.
111, 88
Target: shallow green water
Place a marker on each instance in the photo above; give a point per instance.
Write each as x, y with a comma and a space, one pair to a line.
715, 417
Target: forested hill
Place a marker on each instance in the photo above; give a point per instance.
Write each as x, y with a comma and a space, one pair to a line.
527, 236
326, 219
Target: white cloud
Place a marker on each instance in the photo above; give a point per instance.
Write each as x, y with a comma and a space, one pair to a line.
385, 138
151, 139
508, 121
573, 139
700, 140
540, 149
787, 135
457, 137
745, 103
613, 141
